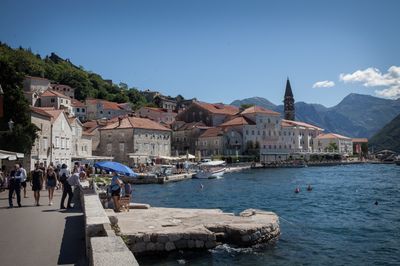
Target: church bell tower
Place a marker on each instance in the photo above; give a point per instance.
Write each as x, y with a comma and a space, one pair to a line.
289, 102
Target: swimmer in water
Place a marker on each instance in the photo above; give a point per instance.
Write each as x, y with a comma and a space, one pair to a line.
376, 202
309, 188
201, 186
297, 190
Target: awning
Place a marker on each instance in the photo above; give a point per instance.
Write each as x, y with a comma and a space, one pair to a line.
188, 156
10, 155
93, 157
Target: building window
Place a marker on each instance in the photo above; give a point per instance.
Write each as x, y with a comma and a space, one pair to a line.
57, 142
52, 100
121, 147
252, 132
78, 110
83, 110
247, 132
109, 147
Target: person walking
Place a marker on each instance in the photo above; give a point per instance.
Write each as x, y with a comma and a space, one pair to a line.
116, 184
23, 177
37, 183
51, 183
15, 186
67, 189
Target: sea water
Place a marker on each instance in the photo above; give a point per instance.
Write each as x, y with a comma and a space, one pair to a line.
337, 223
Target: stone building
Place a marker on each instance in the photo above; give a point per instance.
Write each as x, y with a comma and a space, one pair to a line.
211, 142
234, 129
184, 137
134, 140
54, 142
64, 89
79, 109
99, 109
326, 142
33, 88
210, 114
165, 102
50, 98
159, 115
299, 135
81, 140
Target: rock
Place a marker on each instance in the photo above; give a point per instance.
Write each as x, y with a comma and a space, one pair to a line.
159, 246
191, 243
210, 244
199, 243
169, 246
146, 238
162, 238
174, 237
246, 238
139, 247
181, 244
150, 246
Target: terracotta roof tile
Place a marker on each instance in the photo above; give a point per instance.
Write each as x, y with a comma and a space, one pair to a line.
76, 103
212, 132
332, 136
291, 123
51, 93
360, 140
218, 108
52, 113
258, 109
106, 104
238, 121
136, 122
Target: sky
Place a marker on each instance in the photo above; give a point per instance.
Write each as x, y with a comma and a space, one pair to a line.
219, 51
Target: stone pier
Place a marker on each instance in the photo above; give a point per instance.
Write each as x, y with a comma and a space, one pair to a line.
155, 230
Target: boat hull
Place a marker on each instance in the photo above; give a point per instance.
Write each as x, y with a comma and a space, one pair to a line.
210, 174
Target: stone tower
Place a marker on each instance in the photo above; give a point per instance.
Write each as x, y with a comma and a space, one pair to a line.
289, 102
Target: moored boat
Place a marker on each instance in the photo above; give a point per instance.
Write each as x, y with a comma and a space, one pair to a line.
212, 169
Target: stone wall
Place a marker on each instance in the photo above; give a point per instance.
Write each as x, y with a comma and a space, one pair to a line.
103, 247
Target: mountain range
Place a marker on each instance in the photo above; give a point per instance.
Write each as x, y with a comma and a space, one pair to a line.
388, 137
357, 115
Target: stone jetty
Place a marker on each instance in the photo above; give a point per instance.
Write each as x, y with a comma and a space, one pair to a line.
157, 230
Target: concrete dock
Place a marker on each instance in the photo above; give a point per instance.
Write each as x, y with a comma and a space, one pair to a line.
157, 230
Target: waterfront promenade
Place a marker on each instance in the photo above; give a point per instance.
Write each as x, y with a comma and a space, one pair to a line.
42, 235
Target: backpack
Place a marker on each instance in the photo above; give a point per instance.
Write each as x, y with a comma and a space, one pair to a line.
63, 178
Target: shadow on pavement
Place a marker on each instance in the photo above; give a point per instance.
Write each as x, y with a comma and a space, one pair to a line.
73, 247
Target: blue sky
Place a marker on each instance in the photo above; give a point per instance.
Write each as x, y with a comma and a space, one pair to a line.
219, 51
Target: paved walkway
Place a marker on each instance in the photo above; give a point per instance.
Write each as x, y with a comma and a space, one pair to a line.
40, 235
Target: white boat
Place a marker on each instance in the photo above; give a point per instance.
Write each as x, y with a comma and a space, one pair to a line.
212, 169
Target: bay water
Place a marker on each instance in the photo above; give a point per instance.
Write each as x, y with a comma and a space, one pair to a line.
337, 223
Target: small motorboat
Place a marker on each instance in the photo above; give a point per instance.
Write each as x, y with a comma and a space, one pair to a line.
212, 169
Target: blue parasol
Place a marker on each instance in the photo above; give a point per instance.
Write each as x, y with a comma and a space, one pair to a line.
115, 167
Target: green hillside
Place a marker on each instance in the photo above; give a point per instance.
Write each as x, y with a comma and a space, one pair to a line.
59, 70
388, 137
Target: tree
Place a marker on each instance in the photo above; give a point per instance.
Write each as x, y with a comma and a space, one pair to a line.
244, 106
332, 147
16, 108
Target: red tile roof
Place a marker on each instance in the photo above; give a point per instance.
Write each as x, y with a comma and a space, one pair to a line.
238, 121
258, 109
136, 122
51, 93
76, 103
160, 110
212, 132
332, 136
218, 108
291, 123
106, 104
360, 140
51, 113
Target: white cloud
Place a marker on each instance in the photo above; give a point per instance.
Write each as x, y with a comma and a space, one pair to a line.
324, 84
372, 77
